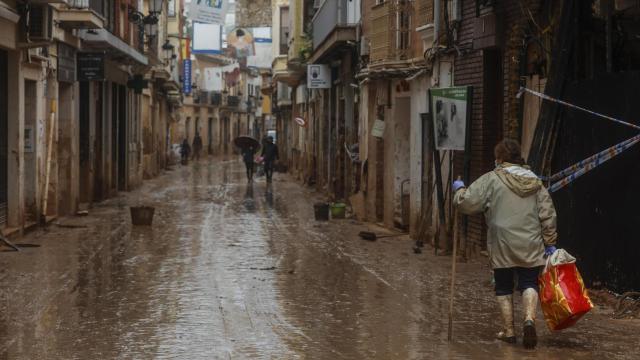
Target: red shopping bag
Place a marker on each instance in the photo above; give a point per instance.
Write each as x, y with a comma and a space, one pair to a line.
563, 296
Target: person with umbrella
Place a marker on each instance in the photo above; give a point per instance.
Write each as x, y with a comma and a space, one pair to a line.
248, 147
269, 156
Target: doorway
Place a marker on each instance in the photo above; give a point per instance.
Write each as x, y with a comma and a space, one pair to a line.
210, 137
98, 188
122, 138
85, 141
3, 136
225, 132
67, 190
30, 159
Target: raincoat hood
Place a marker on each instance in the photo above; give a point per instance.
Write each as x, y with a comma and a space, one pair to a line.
519, 179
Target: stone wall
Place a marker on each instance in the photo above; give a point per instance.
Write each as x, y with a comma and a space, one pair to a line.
253, 13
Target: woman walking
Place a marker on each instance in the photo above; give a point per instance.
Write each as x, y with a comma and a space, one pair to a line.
521, 222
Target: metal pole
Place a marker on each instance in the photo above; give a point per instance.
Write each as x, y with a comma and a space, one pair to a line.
453, 275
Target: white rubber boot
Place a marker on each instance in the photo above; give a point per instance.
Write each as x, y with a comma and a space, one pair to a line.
530, 303
505, 303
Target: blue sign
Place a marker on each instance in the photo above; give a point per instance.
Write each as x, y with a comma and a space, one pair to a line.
186, 76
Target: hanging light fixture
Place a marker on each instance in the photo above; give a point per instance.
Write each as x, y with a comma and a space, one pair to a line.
168, 51
148, 22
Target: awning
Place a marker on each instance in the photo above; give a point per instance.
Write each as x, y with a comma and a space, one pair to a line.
102, 39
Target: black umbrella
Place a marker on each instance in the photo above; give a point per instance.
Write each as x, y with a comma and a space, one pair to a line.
246, 142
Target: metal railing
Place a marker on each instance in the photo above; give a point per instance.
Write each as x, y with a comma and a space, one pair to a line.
331, 14
233, 101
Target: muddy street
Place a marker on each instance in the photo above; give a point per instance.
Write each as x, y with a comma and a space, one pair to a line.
232, 270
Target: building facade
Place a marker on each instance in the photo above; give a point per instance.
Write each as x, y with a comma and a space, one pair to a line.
75, 100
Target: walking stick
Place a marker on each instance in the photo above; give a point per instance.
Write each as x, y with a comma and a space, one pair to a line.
453, 274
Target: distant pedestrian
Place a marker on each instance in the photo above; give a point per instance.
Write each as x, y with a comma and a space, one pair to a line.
521, 222
197, 146
270, 156
185, 151
247, 156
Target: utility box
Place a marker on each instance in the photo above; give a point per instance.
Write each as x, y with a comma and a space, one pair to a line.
487, 32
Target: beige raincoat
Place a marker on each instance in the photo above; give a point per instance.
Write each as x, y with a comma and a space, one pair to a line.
519, 212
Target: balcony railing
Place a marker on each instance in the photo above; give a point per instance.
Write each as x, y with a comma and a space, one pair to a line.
216, 99
424, 12
79, 14
391, 30
233, 101
331, 14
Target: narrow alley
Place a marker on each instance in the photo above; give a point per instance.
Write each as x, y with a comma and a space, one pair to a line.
236, 270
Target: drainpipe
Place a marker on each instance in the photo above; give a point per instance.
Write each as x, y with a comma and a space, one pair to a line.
436, 22
437, 9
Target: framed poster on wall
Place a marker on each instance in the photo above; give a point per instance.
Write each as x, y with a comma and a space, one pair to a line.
451, 109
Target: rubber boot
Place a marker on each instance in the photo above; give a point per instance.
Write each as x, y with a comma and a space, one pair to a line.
530, 303
506, 308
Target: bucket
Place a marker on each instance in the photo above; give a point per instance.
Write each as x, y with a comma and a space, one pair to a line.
338, 210
142, 215
321, 211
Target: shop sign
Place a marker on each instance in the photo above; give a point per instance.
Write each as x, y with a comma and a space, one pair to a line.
186, 76
91, 66
208, 11
318, 76
66, 63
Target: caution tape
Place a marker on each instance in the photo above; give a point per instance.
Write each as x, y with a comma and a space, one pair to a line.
558, 101
601, 157
570, 174
597, 160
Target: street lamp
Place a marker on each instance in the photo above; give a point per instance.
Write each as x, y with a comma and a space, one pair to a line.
155, 7
148, 23
167, 50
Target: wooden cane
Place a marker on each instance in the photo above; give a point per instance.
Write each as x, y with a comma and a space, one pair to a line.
453, 274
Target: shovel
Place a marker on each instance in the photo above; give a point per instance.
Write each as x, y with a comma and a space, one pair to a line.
371, 236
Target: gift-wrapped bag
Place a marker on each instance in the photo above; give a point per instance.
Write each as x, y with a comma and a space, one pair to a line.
563, 295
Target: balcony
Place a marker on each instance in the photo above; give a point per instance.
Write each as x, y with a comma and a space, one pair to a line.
282, 72
391, 31
334, 25
231, 102
77, 14
216, 99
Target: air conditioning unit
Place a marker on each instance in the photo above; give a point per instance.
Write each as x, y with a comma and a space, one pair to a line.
39, 24
365, 46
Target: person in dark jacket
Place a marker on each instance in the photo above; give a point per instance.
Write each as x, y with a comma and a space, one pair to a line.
247, 157
197, 146
270, 156
185, 151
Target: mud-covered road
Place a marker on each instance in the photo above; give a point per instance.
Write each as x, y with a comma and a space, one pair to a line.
232, 270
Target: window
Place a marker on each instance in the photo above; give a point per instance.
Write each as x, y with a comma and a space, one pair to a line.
284, 30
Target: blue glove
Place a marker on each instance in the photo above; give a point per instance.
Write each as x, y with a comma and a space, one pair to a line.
549, 250
457, 185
